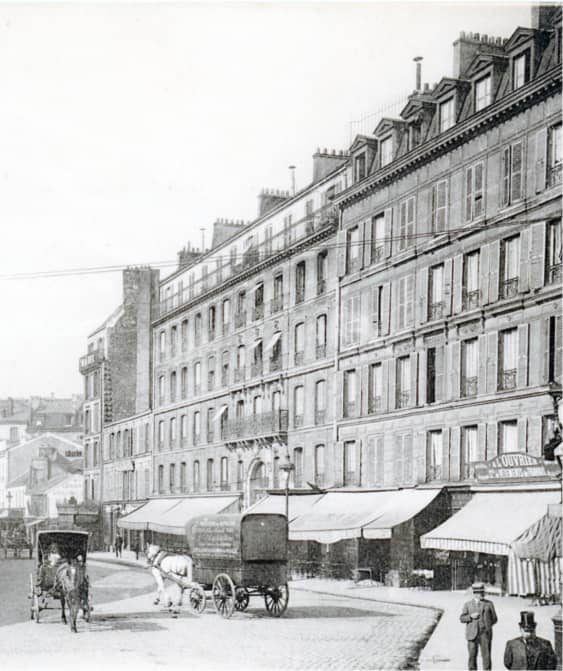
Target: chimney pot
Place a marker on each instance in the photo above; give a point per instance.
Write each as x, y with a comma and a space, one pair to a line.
476, 36
462, 35
484, 38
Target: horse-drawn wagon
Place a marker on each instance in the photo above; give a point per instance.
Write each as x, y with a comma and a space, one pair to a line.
60, 574
241, 556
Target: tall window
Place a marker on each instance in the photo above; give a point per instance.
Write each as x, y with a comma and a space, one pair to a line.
196, 476
160, 479
508, 437
210, 417
160, 435
184, 333
474, 206
471, 280
322, 266
173, 340
259, 301
211, 322
377, 238
447, 115
375, 395
257, 405
183, 428
483, 93
197, 329
404, 301
172, 477
386, 151
353, 249
183, 476
439, 206
350, 393
161, 392
172, 432
210, 373
277, 301
554, 159
403, 381
469, 450
173, 385
512, 161
209, 478
241, 362
240, 314
197, 377
521, 70
162, 345
508, 359
224, 474
299, 343
469, 367
554, 260
349, 462
276, 472
197, 427
434, 456
226, 317
359, 167
240, 475
257, 358
351, 320
298, 406
320, 337
406, 223
436, 293
510, 266
320, 465
320, 402
276, 402
225, 368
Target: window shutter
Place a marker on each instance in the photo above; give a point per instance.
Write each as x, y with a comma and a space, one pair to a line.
408, 470
516, 172
391, 374
409, 314
442, 214
371, 461
457, 298
440, 365
478, 198
432, 198
339, 464
447, 293
380, 461
364, 253
422, 296
455, 441
446, 454
523, 355
420, 457
402, 232
398, 459
388, 232
492, 440
482, 441
422, 358
558, 349
523, 279
385, 385
410, 221
492, 361
373, 311
484, 274
455, 350
482, 378
494, 263
414, 379
362, 402
341, 253
537, 256
538, 352
367, 243
541, 160
522, 434
468, 194
385, 308
505, 177
340, 394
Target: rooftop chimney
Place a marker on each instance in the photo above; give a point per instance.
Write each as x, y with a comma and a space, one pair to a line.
418, 62
325, 162
542, 16
268, 199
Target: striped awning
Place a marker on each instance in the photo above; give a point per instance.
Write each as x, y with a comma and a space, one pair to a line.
298, 504
174, 520
152, 511
541, 541
490, 522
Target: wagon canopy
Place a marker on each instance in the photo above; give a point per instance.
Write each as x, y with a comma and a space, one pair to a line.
69, 543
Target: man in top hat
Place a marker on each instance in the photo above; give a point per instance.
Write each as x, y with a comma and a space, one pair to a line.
528, 651
479, 616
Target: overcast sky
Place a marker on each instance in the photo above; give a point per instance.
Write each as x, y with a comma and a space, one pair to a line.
126, 128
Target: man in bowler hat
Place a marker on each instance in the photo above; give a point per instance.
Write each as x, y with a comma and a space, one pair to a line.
528, 651
479, 616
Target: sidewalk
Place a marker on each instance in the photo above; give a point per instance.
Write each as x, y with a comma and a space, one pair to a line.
127, 558
446, 649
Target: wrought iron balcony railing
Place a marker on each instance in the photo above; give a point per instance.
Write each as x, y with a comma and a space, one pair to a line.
275, 364
555, 274
555, 174
255, 426
276, 304
374, 404
90, 360
300, 295
433, 472
509, 288
403, 398
240, 319
435, 311
349, 409
297, 421
469, 387
320, 351
507, 379
258, 312
320, 416
299, 358
471, 299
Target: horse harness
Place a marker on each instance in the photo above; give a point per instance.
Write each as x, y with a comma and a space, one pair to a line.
159, 558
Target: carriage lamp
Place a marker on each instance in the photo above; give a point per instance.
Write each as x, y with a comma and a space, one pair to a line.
287, 467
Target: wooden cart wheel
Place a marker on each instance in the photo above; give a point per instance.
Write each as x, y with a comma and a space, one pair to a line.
223, 592
197, 599
241, 599
276, 599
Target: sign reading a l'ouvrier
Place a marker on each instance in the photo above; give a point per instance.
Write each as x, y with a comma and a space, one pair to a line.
515, 466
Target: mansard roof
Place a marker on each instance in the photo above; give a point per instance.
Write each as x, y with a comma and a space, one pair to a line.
447, 85
417, 102
386, 125
519, 37
482, 61
361, 141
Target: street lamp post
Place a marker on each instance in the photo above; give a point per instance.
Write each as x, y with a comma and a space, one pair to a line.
287, 468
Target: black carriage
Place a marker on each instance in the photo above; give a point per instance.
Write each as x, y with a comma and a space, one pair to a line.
71, 546
238, 557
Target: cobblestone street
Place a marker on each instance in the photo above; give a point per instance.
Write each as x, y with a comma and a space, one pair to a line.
318, 632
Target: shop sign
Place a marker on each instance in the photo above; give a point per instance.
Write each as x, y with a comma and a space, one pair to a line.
515, 466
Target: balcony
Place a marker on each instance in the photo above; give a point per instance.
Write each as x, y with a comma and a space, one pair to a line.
555, 274
258, 312
471, 299
210, 380
349, 409
210, 435
403, 398
320, 416
299, 358
554, 176
469, 387
225, 377
91, 360
509, 288
239, 375
321, 287
299, 295
435, 311
226, 328
374, 404
275, 364
256, 369
211, 334
320, 351
297, 421
433, 472
276, 305
266, 425
507, 379
240, 319
377, 253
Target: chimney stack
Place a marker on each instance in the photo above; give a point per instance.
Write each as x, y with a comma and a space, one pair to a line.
418, 61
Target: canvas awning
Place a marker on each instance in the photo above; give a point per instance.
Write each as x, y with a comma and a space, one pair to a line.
174, 520
299, 504
274, 339
541, 541
490, 522
152, 511
401, 507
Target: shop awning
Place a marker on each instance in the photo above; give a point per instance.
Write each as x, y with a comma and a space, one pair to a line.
490, 522
299, 504
152, 511
401, 507
541, 541
174, 520
339, 515
34, 523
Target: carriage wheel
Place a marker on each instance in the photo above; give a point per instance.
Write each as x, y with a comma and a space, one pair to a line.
197, 599
223, 595
241, 599
34, 608
276, 599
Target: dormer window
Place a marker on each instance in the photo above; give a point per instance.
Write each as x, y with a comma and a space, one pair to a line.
483, 93
447, 114
386, 151
521, 70
360, 167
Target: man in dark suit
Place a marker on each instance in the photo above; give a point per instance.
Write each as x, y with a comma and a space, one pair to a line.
479, 617
528, 651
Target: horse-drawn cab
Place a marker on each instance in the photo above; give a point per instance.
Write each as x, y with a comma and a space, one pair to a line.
239, 556
56, 552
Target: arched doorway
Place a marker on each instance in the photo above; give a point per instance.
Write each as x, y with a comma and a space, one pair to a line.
257, 482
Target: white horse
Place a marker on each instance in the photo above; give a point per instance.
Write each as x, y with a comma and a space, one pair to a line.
177, 565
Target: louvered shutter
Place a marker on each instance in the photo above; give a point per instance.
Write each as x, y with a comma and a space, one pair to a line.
494, 264
516, 172
524, 279
484, 274
505, 177
447, 290
457, 298
537, 256
388, 232
541, 160
422, 292
386, 309
523, 355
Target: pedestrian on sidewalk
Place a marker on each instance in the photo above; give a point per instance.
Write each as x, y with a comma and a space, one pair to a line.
529, 651
135, 548
118, 545
479, 617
